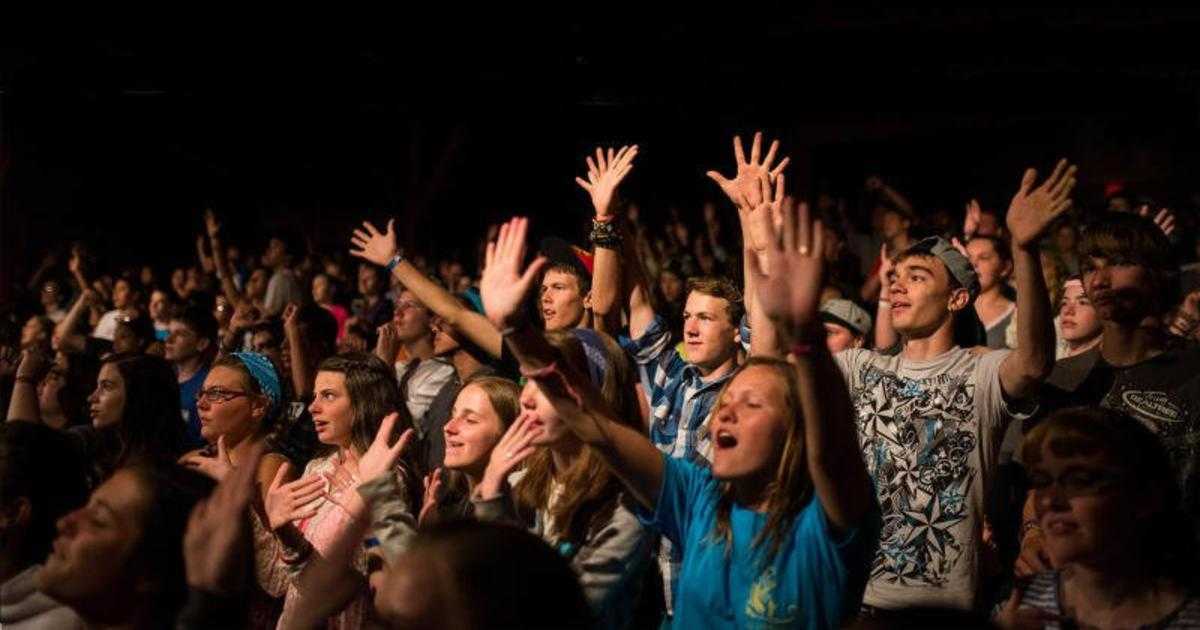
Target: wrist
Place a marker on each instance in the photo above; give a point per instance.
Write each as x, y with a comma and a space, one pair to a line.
393, 261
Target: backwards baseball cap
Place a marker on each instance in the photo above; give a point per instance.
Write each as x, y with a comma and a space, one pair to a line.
959, 267
846, 314
560, 252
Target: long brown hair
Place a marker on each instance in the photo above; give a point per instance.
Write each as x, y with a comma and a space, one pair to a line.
791, 489
591, 490
505, 398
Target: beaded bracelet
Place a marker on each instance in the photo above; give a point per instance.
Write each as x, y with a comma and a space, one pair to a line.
605, 234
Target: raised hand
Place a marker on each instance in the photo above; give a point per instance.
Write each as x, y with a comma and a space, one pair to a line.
1165, 219
217, 467
381, 456
387, 344
33, 365
211, 225
885, 269
433, 484
294, 500
604, 175
244, 316
291, 319
1033, 209
507, 455
972, 219
503, 285
744, 184
789, 294
375, 246
217, 539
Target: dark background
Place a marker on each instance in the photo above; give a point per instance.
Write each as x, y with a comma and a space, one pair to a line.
455, 121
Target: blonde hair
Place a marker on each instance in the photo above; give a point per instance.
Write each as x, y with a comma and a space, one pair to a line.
590, 488
791, 488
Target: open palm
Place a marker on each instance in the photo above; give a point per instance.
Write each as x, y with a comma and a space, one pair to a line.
504, 285
744, 184
374, 246
790, 291
1033, 209
604, 175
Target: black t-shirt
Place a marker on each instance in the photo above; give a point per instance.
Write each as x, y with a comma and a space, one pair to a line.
1162, 392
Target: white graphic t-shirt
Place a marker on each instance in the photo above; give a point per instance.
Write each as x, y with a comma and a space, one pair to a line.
930, 433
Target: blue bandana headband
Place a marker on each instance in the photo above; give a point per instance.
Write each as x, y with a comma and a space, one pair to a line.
264, 374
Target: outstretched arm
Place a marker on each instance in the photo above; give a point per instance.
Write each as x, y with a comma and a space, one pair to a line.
220, 262
604, 176
503, 288
1030, 215
380, 248
750, 196
789, 294
885, 333
24, 402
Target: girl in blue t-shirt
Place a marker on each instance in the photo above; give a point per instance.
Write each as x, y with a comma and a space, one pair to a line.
780, 531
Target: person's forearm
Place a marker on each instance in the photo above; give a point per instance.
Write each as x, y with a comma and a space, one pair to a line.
1034, 354
630, 455
24, 403
68, 324
225, 273
606, 287
834, 459
302, 380
438, 300
892, 195
639, 295
870, 288
764, 339
328, 581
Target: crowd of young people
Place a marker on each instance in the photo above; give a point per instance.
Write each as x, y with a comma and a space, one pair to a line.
803, 422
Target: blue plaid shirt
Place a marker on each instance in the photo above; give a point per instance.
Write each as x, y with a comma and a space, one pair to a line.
680, 402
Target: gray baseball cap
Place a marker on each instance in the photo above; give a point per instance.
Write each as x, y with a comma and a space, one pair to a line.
959, 267
846, 314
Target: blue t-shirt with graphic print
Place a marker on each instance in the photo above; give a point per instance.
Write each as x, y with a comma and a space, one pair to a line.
815, 579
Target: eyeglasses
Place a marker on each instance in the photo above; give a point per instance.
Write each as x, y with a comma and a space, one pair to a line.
1076, 482
214, 395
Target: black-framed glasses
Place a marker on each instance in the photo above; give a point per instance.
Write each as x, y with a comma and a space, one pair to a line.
1076, 482
215, 395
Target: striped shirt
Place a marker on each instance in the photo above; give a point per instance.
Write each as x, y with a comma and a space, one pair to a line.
680, 402
1043, 590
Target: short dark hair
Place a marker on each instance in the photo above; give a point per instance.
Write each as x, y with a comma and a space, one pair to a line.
200, 320
510, 577
1124, 238
40, 465
720, 288
142, 327
585, 280
174, 492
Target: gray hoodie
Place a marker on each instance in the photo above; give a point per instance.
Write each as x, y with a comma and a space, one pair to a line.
23, 607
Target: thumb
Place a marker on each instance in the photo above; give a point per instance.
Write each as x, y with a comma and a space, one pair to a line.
384, 434
280, 475
391, 226
223, 452
532, 271
717, 177
402, 443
